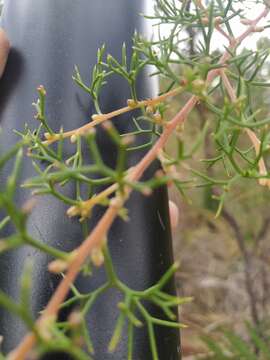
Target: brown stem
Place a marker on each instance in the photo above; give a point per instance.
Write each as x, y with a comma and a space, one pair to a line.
262, 233
247, 265
100, 118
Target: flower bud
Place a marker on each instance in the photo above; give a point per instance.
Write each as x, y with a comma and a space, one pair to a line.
205, 21
128, 139
150, 109
183, 82
75, 318
198, 85
258, 28
41, 90
218, 20
28, 206
97, 117
97, 257
73, 138
158, 118
147, 191
44, 327
73, 211
48, 136
132, 103
57, 266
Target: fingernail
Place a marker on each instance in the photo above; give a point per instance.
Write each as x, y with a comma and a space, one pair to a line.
4, 50
174, 214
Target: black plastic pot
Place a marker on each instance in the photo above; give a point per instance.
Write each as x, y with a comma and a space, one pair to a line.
48, 38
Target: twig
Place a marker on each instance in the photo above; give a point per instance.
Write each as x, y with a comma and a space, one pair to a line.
100, 118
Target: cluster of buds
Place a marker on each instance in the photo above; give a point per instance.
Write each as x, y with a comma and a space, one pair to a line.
168, 169
198, 87
97, 256
39, 105
83, 209
155, 115
45, 326
50, 137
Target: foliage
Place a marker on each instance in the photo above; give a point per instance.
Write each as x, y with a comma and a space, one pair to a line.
223, 82
234, 347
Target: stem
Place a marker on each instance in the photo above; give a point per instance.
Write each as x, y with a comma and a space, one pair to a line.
58, 254
247, 263
104, 117
109, 266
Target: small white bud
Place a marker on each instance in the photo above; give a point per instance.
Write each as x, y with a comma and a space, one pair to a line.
147, 191
129, 139
73, 211
97, 117
132, 103
150, 109
29, 205
157, 118
75, 319
97, 257
57, 266
73, 138
218, 20
258, 28
205, 21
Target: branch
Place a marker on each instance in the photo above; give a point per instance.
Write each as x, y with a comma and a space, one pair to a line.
100, 118
251, 134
